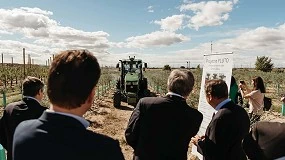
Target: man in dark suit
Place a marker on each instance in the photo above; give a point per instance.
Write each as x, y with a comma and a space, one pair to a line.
265, 141
161, 128
228, 127
28, 108
60, 133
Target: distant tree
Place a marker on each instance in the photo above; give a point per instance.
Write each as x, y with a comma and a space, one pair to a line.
264, 64
182, 67
198, 66
167, 67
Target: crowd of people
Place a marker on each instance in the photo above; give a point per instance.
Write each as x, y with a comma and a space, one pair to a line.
160, 128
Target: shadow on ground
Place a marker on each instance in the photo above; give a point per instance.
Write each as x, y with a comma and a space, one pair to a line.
130, 108
126, 108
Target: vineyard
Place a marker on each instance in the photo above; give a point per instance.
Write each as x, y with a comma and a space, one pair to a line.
11, 77
274, 82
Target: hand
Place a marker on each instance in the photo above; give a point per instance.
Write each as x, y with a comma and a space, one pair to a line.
196, 139
283, 99
240, 85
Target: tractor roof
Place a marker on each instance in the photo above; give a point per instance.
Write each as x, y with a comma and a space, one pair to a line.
128, 60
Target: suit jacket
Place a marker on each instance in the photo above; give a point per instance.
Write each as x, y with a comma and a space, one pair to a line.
59, 137
161, 128
265, 141
224, 134
14, 114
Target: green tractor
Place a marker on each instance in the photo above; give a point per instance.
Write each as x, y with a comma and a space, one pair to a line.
132, 85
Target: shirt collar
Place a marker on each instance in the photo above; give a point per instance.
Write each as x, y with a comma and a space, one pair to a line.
219, 106
83, 121
174, 94
281, 158
32, 98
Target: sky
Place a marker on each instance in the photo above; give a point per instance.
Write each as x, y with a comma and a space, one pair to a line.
159, 32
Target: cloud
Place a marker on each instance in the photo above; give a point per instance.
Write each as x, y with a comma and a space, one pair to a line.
171, 23
5, 32
72, 38
36, 11
235, 1
210, 13
19, 18
246, 46
14, 49
150, 9
157, 38
35, 23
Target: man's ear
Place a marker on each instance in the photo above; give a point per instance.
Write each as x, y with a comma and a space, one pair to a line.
40, 90
210, 97
38, 93
91, 96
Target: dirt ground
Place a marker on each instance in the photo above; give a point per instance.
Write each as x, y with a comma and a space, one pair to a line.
110, 121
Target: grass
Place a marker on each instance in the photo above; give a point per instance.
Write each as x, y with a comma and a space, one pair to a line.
11, 99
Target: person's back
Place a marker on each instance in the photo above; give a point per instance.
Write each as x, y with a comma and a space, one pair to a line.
61, 132
234, 123
57, 137
161, 127
166, 128
266, 140
17, 112
228, 127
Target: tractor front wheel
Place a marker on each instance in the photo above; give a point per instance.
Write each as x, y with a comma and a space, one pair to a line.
117, 99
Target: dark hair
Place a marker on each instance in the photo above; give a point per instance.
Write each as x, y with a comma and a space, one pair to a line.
258, 84
32, 86
217, 88
72, 76
180, 82
233, 81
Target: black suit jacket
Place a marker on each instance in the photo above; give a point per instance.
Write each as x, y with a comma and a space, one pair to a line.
59, 137
14, 114
224, 134
161, 128
265, 141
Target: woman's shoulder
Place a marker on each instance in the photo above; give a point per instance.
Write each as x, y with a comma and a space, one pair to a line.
256, 92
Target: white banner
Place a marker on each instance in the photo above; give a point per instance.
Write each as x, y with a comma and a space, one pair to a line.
216, 66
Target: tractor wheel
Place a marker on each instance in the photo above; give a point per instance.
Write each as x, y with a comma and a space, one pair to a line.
144, 83
117, 99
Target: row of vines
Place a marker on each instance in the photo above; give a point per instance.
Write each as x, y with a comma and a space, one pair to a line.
274, 82
11, 77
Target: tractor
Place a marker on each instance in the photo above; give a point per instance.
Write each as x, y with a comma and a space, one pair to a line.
131, 85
